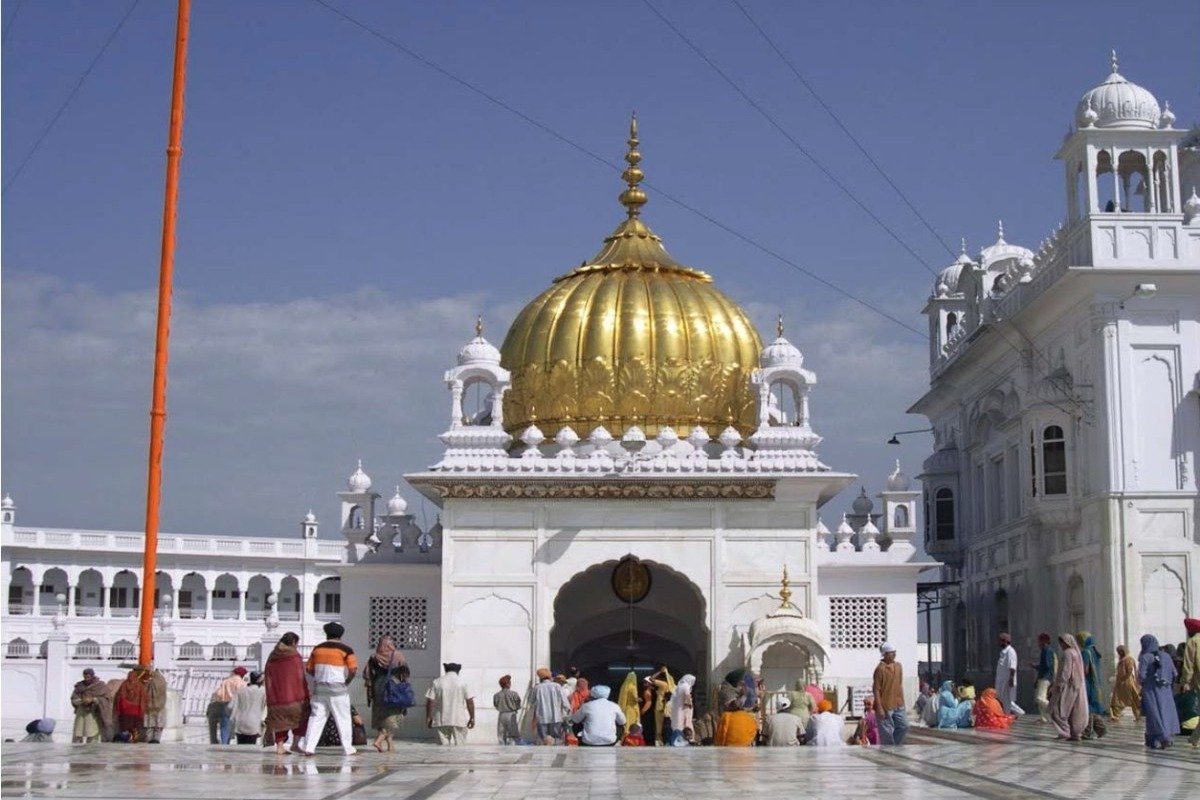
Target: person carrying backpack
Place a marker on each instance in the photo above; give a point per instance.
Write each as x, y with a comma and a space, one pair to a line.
389, 692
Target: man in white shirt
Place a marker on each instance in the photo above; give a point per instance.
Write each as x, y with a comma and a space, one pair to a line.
1006, 677
600, 717
826, 728
449, 707
783, 728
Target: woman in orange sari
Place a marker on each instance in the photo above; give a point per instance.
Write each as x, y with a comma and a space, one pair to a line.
989, 714
737, 727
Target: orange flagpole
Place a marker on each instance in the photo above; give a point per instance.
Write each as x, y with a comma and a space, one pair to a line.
158, 399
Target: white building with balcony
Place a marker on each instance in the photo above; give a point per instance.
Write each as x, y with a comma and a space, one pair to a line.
214, 589
1064, 399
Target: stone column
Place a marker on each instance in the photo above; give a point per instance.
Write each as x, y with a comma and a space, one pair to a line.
164, 648
242, 602
56, 701
105, 598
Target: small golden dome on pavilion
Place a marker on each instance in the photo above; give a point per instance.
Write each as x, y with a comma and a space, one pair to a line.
631, 337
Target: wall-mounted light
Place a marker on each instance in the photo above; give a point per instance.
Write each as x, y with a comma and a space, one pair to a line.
1141, 290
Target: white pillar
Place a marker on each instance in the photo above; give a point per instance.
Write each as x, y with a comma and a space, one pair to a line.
105, 598
242, 601
164, 649
71, 598
56, 701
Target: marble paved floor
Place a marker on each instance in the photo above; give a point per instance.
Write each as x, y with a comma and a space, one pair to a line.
1022, 763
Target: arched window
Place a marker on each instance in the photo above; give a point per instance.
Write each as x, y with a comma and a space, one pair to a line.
225, 651
928, 518
1106, 194
121, 649
477, 400
1001, 600
1075, 603
951, 324
1054, 460
191, 651
1033, 469
1134, 181
784, 403
943, 508
356, 518
900, 517
1161, 184
17, 648
88, 648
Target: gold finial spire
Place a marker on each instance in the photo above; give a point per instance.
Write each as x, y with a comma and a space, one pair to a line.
633, 198
779, 326
479, 325
785, 593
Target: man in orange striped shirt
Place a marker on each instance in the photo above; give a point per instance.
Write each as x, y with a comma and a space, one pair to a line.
333, 666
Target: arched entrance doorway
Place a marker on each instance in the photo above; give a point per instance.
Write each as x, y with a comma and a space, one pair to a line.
599, 630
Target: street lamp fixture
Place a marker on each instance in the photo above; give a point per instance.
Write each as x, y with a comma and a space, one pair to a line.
895, 436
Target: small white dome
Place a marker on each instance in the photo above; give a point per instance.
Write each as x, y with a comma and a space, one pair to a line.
947, 280
822, 529
898, 481
862, 504
360, 481
1191, 210
397, 505
1118, 103
310, 517
1002, 250
845, 528
781, 353
7, 502
478, 351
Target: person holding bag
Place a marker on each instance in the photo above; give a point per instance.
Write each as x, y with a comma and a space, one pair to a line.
389, 693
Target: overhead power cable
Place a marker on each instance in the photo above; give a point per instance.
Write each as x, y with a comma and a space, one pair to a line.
491, 98
70, 97
599, 159
838, 120
745, 95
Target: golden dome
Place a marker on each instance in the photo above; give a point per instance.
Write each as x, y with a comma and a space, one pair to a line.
631, 337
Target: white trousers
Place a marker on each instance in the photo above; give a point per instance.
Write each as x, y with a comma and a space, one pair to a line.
451, 734
323, 706
1043, 699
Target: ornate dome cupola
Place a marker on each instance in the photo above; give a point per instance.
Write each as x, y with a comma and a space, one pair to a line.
782, 385
631, 338
359, 482
479, 350
1118, 103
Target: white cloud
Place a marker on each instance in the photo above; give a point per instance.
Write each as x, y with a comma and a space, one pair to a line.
270, 404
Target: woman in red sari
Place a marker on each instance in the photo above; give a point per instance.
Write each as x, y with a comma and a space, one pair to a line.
129, 706
989, 714
287, 693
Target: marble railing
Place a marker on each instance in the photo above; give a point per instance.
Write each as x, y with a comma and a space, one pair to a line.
124, 541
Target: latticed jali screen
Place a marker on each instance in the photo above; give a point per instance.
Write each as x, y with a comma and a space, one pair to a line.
857, 623
405, 619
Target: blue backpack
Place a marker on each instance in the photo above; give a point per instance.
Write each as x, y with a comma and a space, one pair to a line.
397, 693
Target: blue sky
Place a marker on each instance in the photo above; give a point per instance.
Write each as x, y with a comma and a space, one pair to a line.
346, 211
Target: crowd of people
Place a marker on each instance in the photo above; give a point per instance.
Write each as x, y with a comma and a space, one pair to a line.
1160, 686
308, 702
